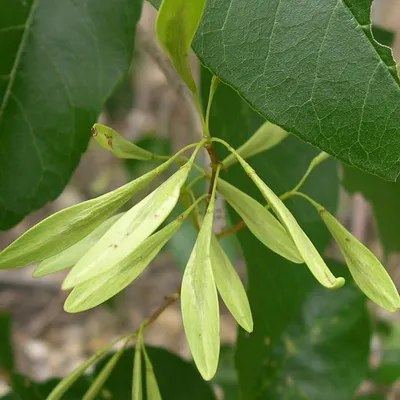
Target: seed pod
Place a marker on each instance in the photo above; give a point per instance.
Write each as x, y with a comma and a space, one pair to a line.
58, 392
304, 245
367, 271
199, 300
129, 231
177, 23
102, 287
266, 137
102, 377
69, 257
261, 223
152, 389
137, 391
112, 141
66, 227
230, 286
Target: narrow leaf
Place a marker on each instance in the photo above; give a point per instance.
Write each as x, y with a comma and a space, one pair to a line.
230, 286
306, 248
100, 288
129, 231
152, 389
199, 300
266, 137
177, 23
69, 257
102, 377
66, 227
367, 271
112, 141
137, 390
59, 391
262, 224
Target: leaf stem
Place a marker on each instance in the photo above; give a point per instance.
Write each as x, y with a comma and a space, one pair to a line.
199, 109
314, 162
213, 87
309, 199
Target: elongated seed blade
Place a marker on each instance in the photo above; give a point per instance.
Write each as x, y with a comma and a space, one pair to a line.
137, 385
230, 287
152, 389
261, 223
367, 271
66, 227
177, 23
69, 257
112, 141
129, 231
101, 379
199, 301
266, 137
304, 245
99, 289
58, 392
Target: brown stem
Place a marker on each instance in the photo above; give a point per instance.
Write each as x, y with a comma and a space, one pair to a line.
214, 163
169, 300
233, 229
241, 224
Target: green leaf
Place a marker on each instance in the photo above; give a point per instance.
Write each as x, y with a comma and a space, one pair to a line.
199, 300
152, 390
66, 227
70, 256
178, 379
266, 137
100, 288
367, 271
129, 231
312, 354
112, 141
278, 289
262, 224
230, 287
384, 198
313, 69
177, 23
58, 66
383, 35
6, 346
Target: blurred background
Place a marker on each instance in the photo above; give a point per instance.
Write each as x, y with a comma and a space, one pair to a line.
146, 109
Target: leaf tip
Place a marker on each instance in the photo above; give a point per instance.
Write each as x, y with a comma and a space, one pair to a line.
339, 282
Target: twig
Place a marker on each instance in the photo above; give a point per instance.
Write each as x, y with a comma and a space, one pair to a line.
169, 300
149, 45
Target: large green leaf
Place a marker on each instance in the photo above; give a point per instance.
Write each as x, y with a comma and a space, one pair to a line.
282, 294
383, 196
177, 379
313, 68
6, 346
59, 62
